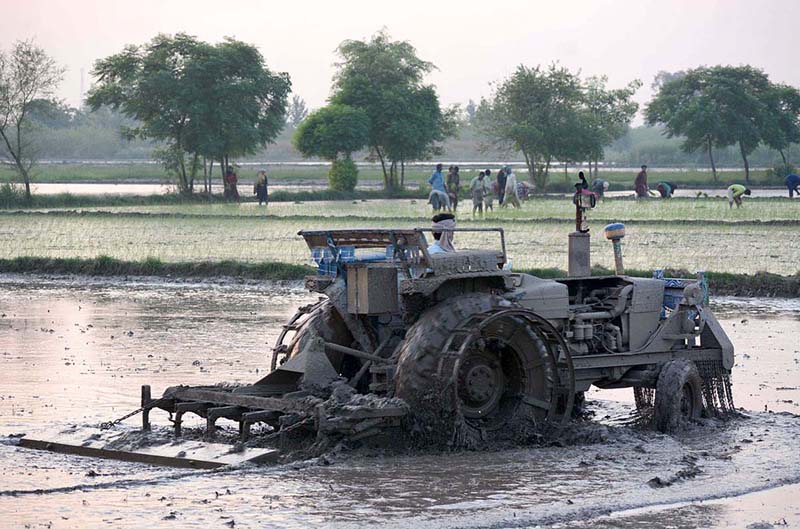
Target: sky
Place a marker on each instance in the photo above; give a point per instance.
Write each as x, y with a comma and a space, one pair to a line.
472, 43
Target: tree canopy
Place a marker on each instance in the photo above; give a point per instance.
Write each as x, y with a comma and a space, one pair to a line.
28, 78
550, 114
726, 105
215, 101
385, 79
331, 131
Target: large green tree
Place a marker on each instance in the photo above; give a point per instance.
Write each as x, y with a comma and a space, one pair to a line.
27, 77
385, 79
549, 114
215, 101
332, 131
727, 105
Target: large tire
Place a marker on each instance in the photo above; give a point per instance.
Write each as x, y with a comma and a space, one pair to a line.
678, 395
496, 390
323, 322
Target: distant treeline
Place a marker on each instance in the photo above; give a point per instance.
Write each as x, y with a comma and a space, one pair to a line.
71, 134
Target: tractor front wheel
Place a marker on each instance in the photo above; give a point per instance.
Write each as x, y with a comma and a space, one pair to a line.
678, 395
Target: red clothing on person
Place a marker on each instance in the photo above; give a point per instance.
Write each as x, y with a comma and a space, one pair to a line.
640, 184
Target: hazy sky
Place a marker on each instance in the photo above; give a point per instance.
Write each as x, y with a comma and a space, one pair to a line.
471, 43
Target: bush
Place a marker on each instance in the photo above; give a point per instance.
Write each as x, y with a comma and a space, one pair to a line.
343, 175
780, 171
11, 195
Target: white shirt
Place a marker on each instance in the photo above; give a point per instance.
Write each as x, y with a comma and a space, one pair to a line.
435, 248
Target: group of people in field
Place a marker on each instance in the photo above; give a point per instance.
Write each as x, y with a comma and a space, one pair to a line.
735, 192
482, 189
231, 186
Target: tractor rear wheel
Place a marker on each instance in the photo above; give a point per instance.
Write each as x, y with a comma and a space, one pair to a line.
678, 395
320, 320
473, 371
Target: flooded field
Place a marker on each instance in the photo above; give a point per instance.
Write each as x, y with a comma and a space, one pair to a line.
75, 351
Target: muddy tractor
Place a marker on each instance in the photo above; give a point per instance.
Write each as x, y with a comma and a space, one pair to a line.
457, 349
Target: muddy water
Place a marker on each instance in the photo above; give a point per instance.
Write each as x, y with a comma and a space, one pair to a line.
76, 351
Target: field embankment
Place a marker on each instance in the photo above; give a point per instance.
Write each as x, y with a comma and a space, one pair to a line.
760, 284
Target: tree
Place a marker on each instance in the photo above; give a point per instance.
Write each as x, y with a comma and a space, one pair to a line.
687, 107
27, 76
384, 78
214, 101
536, 112
332, 131
238, 104
297, 111
782, 127
607, 116
727, 105
663, 77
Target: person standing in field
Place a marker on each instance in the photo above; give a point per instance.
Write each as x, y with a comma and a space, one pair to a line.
478, 190
453, 186
231, 181
666, 189
501, 186
640, 183
491, 189
599, 187
510, 194
735, 194
792, 182
260, 188
438, 197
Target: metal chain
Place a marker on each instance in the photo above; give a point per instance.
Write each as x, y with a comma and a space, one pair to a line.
110, 424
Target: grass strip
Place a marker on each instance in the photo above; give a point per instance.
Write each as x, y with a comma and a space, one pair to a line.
761, 284
152, 266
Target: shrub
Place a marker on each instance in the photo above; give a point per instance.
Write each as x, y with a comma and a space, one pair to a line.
343, 175
11, 196
780, 171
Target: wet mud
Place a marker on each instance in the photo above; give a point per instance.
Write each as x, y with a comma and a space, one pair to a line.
75, 351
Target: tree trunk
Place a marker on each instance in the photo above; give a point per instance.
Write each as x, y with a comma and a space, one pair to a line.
26, 177
383, 168
746, 163
596, 171
402, 174
183, 183
531, 168
711, 157
392, 176
783, 156
193, 174
566, 173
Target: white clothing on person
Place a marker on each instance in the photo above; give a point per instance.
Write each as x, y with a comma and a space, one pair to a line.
435, 248
444, 198
511, 185
511, 195
445, 242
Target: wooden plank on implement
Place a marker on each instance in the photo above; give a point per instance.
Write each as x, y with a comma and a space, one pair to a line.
185, 454
119, 455
246, 401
